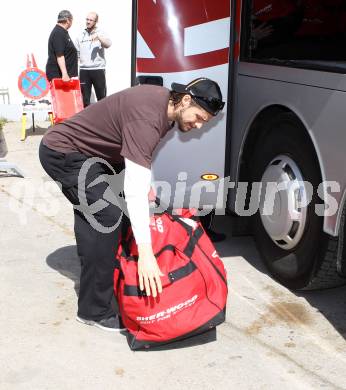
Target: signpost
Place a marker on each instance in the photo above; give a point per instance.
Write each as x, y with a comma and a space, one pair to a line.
33, 84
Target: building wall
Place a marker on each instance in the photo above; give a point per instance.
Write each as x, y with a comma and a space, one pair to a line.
26, 27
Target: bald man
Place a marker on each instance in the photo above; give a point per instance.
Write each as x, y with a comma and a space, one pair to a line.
91, 45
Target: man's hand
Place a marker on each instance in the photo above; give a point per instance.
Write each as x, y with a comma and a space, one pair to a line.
65, 77
105, 42
62, 66
148, 271
95, 37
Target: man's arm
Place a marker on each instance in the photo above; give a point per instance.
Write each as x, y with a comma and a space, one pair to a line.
59, 45
77, 45
104, 40
136, 187
62, 65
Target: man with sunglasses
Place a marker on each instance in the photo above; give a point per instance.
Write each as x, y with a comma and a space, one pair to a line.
91, 45
121, 129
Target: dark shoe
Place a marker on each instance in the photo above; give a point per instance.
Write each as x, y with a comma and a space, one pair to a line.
214, 236
111, 324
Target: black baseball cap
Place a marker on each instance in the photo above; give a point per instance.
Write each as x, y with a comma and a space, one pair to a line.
205, 92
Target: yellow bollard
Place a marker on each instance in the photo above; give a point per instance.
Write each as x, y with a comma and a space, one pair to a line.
51, 118
23, 127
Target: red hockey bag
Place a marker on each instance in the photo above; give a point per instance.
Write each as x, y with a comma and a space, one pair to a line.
194, 284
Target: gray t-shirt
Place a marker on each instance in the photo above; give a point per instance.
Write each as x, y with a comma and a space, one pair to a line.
91, 53
128, 124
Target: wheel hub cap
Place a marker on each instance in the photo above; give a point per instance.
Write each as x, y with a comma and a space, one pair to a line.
283, 207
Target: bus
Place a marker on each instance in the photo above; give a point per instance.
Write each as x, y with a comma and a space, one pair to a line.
281, 68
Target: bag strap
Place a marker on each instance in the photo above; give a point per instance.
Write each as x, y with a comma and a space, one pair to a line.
193, 241
180, 273
168, 247
194, 236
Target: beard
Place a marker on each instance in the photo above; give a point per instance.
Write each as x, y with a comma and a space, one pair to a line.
180, 123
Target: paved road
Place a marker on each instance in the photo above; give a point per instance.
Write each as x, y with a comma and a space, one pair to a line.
272, 338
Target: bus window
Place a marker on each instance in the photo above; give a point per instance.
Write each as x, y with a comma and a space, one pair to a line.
302, 33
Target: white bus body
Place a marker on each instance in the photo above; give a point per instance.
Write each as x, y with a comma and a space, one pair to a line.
285, 86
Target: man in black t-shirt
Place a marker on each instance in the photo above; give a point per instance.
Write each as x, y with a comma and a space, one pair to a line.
62, 54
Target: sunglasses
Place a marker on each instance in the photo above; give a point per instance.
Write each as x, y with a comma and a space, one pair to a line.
214, 104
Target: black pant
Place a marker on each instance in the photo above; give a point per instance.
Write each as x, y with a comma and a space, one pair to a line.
89, 78
96, 249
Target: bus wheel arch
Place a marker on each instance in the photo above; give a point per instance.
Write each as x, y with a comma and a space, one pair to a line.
259, 128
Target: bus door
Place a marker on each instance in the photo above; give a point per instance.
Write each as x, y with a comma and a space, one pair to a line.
179, 41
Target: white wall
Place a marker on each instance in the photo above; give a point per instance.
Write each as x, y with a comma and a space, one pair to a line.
26, 27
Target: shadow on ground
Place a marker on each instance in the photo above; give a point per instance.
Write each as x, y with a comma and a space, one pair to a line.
38, 130
66, 261
204, 338
331, 303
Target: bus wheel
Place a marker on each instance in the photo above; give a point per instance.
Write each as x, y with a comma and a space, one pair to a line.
289, 235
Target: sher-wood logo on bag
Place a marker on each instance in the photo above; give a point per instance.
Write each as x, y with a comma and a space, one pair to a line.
162, 315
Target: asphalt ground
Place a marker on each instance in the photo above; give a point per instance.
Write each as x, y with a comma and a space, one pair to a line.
273, 338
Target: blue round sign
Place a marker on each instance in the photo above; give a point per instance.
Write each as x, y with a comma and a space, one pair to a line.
33, 83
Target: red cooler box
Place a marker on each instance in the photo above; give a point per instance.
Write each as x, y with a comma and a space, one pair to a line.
66, 98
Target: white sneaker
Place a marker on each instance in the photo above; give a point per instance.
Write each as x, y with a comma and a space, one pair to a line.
111, 324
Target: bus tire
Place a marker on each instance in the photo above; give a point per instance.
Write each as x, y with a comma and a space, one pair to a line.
285, 152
